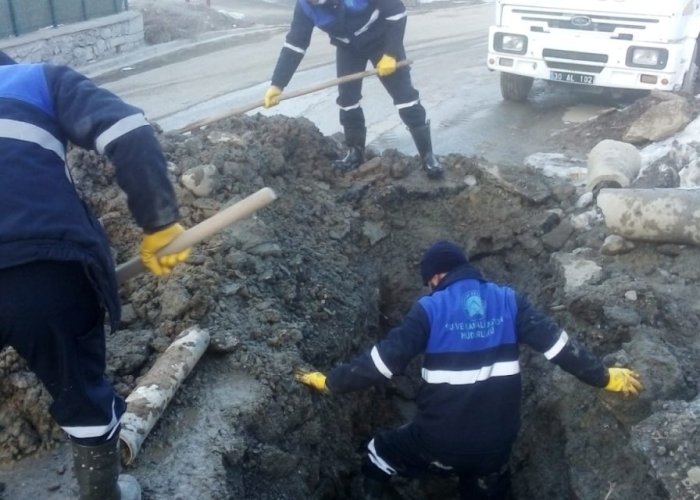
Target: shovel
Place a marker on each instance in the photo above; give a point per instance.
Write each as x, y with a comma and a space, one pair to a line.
284, 96
240, 210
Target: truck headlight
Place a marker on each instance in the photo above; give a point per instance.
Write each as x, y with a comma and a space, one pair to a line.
647, 57
513, 44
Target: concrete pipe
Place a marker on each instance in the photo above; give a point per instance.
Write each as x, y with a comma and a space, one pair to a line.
612, 162
663, 215
146, 403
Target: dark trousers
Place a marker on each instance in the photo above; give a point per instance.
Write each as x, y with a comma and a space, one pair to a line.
51, 315
398, 85
400, 451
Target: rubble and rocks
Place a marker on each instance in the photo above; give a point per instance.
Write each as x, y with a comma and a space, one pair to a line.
652, 118
184, 20
322, 273
319, 275
669, 439
661, 120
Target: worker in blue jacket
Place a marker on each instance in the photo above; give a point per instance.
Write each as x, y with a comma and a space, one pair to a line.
361, 30
57, 276
468, 407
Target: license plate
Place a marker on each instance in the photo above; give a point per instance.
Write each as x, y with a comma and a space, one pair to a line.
562, 76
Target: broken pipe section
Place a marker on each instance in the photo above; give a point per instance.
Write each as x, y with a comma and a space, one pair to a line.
146, 403
662, 215
612, 163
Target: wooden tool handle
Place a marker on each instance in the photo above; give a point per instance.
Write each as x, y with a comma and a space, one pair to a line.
240, 210
286, 95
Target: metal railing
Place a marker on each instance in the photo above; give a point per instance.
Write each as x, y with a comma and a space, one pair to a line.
18, 17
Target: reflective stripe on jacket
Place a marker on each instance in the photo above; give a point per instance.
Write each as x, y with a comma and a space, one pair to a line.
369, 27
43, 108
469, 330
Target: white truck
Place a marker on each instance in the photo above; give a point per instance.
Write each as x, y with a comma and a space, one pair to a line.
620, 44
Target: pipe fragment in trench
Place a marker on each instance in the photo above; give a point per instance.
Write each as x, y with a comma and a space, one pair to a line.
667, 215
612, 162
208, 227
146, 403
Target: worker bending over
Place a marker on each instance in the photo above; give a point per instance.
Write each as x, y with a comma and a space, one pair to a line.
57, 276
361, 30
468, 406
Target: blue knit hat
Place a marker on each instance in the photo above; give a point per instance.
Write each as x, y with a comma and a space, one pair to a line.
441, 257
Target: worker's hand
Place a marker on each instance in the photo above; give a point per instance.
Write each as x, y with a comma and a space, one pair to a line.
315, 380
625, 381
153, 242
386, 65
272, 96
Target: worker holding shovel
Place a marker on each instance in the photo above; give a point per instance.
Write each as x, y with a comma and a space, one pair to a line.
57, 277
361, 30
469, 331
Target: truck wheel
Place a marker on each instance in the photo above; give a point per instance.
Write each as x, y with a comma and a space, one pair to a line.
515, 87
689, 80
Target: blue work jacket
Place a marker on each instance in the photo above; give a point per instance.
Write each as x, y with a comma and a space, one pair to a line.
43, 108
367, 27
469, 331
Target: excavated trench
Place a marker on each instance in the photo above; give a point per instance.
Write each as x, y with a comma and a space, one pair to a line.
320, 275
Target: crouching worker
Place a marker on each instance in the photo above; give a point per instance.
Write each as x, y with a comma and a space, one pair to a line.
57, 277
468, 407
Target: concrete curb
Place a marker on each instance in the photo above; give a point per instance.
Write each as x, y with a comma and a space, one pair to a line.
151, 53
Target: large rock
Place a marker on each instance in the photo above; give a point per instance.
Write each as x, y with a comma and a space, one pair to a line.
662, 173
660, 121
201, 180
576, 270
669, 440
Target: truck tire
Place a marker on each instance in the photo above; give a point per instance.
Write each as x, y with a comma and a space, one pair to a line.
691, 76
515, 87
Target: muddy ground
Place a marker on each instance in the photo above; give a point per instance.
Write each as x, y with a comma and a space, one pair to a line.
167, 21
322, 273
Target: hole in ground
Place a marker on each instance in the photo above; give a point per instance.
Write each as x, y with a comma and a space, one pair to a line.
320, 275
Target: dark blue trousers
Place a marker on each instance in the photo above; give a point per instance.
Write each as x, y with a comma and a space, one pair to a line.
398, 85
51, 315
482, 476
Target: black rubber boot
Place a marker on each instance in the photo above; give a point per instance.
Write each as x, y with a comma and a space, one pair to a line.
372, 489
96, 469
424, 144
355, 156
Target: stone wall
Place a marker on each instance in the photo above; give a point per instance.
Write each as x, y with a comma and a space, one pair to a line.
80, 43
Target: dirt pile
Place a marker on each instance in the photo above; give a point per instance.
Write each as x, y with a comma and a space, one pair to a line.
321, 273
167, 21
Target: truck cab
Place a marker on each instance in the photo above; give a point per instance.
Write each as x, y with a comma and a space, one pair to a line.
622, 44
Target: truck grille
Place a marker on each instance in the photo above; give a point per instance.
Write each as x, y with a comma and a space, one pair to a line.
583, 22
570, 60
